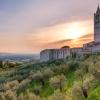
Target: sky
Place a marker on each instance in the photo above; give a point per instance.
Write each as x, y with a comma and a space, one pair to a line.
29, 26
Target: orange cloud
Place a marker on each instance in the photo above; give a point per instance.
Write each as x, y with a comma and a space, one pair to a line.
71, 42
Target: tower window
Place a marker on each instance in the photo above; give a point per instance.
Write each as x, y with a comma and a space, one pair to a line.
97, 16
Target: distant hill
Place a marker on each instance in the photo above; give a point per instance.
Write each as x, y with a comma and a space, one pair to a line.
12, 56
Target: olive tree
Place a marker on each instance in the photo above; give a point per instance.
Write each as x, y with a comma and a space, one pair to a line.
81, 74
47, 73
58, 81
38, 76
77, 93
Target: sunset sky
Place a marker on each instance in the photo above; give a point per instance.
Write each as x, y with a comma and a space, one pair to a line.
28, 26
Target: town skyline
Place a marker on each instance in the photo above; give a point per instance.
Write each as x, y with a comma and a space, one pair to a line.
30, 26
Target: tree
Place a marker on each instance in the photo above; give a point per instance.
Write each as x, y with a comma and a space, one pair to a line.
13, 85
58, 96
95, 95
82, 71
2, 96
96, 70
23, 85
58, 81
77, 93
37, 89
47, 73
29, 96
9, 95
38, 76
1, 64
81, 74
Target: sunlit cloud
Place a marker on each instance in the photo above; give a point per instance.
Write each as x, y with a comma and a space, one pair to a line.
71, 42
61, 32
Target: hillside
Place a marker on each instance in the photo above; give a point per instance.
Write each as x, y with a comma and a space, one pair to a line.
70, 79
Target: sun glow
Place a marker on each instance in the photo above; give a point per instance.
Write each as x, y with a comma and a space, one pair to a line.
75, 30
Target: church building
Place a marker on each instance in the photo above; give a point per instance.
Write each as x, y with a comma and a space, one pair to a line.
97, 25
94, 46
64, 52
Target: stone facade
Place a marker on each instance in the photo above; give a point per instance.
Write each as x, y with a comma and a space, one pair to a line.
54, 54
45, 55
97, 25
88, 47
94, 46
62, 53
76, 52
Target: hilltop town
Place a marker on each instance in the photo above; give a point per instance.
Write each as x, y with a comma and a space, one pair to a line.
66, 51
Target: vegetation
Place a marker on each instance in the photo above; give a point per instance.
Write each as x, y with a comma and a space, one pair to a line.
70, 79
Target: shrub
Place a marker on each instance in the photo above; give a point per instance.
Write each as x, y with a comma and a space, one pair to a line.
9, 95
77, 93
13, 85
58, 81
23, 85
89, 84
1, 64
94, 69
58, 96
73, 65
47, 73
37, 89
2, 96
32, 96
95, 95
29, 96
37, 76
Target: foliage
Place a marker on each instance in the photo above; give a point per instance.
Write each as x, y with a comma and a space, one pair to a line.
58, 81
70, 79
95, 95
77, 93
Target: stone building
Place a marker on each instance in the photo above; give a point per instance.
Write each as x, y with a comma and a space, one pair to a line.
76, 52
64, 52
54, 54
94, 46
46, 55
88, 47
97, 25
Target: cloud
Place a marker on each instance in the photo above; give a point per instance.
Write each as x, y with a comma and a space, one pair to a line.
71, 42
29, 15
30, 25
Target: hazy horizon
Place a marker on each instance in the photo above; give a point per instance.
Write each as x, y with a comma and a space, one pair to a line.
29, 26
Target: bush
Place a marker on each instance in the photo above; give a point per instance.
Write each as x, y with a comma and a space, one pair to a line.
73, 65
47, 73
58, 81
58, 96
77, 93
23, 85
37, 76
10, 95
94, 69
95, 95
37, 89
13, 85
29, 96
2, 96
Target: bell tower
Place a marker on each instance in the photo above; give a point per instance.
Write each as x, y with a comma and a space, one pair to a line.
97, 25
